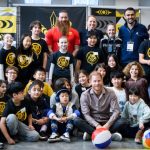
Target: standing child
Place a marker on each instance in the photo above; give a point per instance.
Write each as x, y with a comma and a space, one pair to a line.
39, 46
40, 74
7, 54
138, 115
17, 117
40, 106
3, 101
83, 85
135, 73
89, 55
117, 78
62, 62
62, 115
25, 58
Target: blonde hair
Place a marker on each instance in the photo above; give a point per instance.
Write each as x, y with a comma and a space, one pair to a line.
127, 68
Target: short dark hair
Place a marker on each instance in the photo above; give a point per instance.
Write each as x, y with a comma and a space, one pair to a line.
92, 33
130, 9
15, 87
41, 69
2, 81
116, 74
36, 82
134, 90
33, 23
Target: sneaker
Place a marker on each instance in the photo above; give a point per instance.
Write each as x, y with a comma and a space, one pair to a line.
43, 135
65, 137
86, 136
1, 145
53, 138
116, 136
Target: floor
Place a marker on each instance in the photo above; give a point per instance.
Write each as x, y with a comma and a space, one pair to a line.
76, 144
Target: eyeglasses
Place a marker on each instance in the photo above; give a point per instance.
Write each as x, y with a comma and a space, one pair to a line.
12, 72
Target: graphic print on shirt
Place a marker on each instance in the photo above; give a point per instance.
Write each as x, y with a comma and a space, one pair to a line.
148, 52
36, 49
63, 62
92, 57
10, 59
22, 114
2, 107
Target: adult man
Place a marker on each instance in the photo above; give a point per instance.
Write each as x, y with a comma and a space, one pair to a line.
91, 25
132, 34
99, 107
63, 28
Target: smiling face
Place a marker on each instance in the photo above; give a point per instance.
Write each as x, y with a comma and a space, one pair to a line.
83, 79
111, 31
36, 30
2, 88
63, 43
92, 40
133, 98
134, 71
27, 42
111, 62
91, 23
40, 75
130, 16
8, 39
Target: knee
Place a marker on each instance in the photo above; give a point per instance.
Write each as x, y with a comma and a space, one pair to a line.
34, 137
76, 121
11, 119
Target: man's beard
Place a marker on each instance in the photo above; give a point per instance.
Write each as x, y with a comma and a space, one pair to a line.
63, 27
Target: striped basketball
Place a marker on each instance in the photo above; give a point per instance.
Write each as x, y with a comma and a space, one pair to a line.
101, 138
146, 139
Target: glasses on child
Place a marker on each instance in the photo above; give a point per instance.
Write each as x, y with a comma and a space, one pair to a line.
12, 72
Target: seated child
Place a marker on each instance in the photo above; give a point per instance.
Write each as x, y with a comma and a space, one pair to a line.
62, 115
17, 117
137, 112
40, 105
40, 74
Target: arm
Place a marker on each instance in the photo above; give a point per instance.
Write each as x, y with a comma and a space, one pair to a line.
1, 71
78, 65
71, 73
30, 122
51, 70
76, 49
5, 132
142, 60
44, 60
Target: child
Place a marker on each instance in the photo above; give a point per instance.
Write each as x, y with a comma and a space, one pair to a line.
90, 55
62, 115
7, 54
17, 117
40, 106
138, 115
111, 44
40, 74
3, 101
64, 83
112, 65
62, 62
117, 82
135, 72
102, 69
84, 84
39, 45
25, 58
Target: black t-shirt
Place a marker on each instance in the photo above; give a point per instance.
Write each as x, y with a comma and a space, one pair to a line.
62, 63
22, 112
90, 57
39, 47
3, 102
40, 107
8, 57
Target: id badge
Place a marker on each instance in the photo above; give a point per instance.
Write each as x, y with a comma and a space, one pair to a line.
130, 46
110, 48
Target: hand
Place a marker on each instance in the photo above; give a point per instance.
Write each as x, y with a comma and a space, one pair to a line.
63, 119
11, 141
50, 82
141, 126
31, 127
148, 62
40, 121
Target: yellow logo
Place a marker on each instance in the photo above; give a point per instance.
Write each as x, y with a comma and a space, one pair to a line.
22, 114
103, 12
63, 62
10, 59
36, 48
148, 52
92, 57
2, 107
24, 61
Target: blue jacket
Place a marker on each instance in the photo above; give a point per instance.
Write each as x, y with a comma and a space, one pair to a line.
137, 34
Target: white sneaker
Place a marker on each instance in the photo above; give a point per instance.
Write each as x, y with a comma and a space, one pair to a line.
53, 138
86, 136
116, 137
65, 137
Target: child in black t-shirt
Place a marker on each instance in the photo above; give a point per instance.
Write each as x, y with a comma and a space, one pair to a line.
62, 63
17, 117
7, 54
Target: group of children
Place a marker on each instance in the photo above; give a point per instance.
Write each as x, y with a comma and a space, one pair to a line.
30, 109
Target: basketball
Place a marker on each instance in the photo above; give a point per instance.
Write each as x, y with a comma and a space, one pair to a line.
101, 138
146, 139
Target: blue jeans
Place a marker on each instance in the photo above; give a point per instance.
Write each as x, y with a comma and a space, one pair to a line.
16, 127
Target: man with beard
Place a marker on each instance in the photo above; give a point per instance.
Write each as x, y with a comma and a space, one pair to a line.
132, 34
63, 28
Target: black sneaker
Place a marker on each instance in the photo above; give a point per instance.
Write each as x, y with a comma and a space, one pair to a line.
43, 135
66, 137
54, 138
